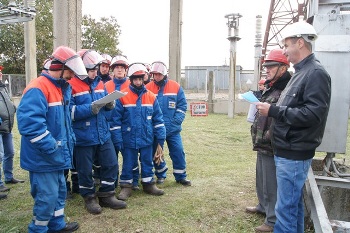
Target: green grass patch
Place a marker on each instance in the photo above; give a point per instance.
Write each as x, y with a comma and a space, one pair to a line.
220, 164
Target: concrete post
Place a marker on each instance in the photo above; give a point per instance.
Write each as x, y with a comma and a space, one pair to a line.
258, 53
211, 92
30, 49
175, 40
67, 17
233, 37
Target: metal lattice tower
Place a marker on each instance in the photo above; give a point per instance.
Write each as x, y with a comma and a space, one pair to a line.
281, 13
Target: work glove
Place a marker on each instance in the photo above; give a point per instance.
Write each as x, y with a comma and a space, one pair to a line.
95, 108
158, 155
110, 105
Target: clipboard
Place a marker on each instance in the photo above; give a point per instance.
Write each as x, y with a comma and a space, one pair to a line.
110, 97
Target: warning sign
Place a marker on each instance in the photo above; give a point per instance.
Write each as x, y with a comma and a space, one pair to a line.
199, 109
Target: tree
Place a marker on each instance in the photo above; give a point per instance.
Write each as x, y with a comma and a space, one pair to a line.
101, 35
12, 39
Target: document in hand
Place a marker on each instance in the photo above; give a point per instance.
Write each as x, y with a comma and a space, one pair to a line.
110, 97
250, 97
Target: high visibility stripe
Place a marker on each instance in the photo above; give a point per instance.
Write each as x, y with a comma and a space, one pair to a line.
81, 93
40, 137
147, 105
58, 212
73, 112
126, 181
39, 223
83, 187
73, 172
106, 182
114, 128
96, 166
170, 93
179, 171
129, 105
147, 179
135, 168
179, 110
55, 104
161, 170
159, 125
99, 91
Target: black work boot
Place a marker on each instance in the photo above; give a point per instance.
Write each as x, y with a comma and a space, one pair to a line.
92, 205
184, 182
70, 227
151, 188
107, 199
126, 191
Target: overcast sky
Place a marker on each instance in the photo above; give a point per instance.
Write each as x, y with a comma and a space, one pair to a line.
145, 29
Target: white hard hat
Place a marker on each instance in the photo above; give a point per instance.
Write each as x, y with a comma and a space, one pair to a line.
120, 60
158, 67
299, 29
137, 69
90, 58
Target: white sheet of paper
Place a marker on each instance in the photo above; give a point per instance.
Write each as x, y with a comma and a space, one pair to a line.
110, 97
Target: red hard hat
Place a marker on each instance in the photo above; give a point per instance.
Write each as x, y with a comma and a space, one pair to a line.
262, 81
276, 57
69, 58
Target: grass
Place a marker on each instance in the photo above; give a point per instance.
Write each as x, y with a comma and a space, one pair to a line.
220, 164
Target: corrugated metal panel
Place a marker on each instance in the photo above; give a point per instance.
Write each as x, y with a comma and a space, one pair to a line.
335, 58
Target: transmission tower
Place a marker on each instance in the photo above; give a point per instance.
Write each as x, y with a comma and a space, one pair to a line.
281, 14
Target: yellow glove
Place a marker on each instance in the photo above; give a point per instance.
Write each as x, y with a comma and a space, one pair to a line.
159, 155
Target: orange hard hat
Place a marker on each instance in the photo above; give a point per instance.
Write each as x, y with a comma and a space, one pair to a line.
276, 57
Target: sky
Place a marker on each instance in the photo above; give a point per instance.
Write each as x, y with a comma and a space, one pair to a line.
145, 29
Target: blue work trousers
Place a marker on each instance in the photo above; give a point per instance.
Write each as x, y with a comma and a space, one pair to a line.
6, 155
178, 157
48, 190
130, 159
106, 157
291, 176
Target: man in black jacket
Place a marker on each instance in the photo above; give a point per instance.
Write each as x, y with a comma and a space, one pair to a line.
277, 77
300, 117
7, 114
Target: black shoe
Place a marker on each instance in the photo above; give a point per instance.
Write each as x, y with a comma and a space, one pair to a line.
184, 182
70, 227
4, 188
3, 196
13, 181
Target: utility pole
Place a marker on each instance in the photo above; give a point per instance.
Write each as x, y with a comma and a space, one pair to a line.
258, 52
30, 44
175, 40
233, 37
67, 17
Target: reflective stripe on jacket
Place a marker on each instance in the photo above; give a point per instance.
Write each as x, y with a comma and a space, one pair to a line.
140, 118
45, 125
172, 102
89, 129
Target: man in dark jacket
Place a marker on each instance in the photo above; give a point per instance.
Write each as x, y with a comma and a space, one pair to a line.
300, 117
276, 66
7, 114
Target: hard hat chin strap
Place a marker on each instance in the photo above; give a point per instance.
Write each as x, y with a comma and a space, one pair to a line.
62, 71
270, 82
